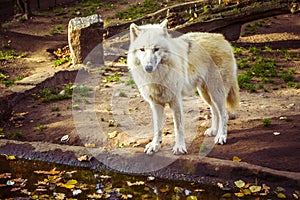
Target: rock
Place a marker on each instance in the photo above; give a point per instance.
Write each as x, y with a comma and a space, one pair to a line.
85, 36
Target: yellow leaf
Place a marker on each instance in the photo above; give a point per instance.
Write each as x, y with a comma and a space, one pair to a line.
191, 19
67, 186
52, 178
255, 188
112, 134
11, 158
53, 171
246, 191
165, 189
239, 194
236, 159
72, 182
135, 183
239, 183
8, 157
226, 195
281, 195
90, 145
35, 197
191, 198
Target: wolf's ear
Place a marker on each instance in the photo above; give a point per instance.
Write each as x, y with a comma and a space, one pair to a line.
164, 24
134, 32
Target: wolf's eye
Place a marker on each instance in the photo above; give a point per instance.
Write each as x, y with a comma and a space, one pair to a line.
155, 49
142, 49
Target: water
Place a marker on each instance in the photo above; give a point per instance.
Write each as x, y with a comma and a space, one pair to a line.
41, 180
23, 179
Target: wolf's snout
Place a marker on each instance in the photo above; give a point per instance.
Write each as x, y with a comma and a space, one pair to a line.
149, 68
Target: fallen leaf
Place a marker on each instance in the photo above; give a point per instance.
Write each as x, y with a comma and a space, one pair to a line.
255, 188
67, 186
84, 158
246, 191
199, 190
239, 194
51, 172
25, 191
112, 134
5, 175
191, 198
266, 188
15, 189
236, 159
95, 196
226, 195
281, 196
90, 145
220, 185
59, 196
105, 177
9, 157
165, 189
72, 182
135, 183
239, 183
178, 189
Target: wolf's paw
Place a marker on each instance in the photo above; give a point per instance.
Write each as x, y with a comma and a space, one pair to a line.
151, 148
179, 149
210, 132
220, 139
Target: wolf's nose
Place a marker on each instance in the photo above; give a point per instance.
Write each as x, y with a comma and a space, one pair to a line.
149, 68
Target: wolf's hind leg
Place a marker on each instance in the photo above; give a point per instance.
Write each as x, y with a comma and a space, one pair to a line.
158, 122
218, 99
212, 131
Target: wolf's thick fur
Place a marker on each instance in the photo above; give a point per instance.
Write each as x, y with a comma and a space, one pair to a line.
165, 68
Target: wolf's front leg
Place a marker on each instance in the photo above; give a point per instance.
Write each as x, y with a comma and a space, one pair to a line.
177, 108
158, 121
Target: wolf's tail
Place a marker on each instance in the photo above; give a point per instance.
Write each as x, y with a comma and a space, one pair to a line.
233, 98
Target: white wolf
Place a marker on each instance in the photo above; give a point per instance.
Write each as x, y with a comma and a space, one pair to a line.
165, 68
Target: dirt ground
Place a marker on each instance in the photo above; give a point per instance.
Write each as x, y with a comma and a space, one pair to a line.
248, 138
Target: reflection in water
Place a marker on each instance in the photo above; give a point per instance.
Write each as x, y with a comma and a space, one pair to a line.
42, 180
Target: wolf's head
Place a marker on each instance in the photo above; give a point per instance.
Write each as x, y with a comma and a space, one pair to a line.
148, 43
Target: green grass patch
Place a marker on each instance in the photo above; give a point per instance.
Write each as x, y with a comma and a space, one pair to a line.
6, 26
138, 10
259, 69
7, 55
266, 122
57, 29
54, 94
61, 61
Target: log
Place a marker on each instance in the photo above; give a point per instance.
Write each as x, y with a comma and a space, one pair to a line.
199, 16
